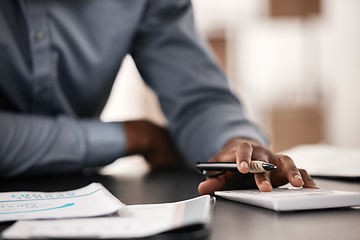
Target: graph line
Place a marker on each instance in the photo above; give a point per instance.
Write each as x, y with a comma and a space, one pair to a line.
39, 210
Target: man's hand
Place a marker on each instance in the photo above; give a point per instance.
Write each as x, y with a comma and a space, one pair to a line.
152, 142
242, 151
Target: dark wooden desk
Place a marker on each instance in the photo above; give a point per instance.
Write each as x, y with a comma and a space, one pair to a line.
231, 220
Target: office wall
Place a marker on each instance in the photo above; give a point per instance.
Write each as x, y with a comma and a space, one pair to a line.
131, 98
294, 72
340, 62
288, 71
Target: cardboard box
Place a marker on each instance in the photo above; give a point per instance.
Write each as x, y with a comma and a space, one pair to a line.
291, 126
294, 8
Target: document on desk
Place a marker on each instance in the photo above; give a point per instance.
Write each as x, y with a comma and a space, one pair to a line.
293, 199
326, 160
142, 221
92, 200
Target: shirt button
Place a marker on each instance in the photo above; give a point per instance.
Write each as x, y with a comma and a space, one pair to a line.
39, 35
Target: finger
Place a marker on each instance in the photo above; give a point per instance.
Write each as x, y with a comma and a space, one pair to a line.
243, 157
211, 185
261, 153
225, 155
263, 182
308, 181
293, 175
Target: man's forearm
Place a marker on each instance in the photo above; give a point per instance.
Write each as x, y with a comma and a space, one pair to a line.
37, 145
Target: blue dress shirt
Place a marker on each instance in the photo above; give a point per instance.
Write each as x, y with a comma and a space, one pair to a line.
58, 62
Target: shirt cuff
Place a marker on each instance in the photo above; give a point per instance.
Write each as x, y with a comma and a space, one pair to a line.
106, 142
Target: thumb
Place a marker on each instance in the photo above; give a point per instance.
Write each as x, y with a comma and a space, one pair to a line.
211, 185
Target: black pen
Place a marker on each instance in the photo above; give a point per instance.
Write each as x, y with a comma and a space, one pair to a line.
255, 166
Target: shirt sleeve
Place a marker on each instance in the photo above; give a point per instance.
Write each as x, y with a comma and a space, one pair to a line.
43, 145
202, 112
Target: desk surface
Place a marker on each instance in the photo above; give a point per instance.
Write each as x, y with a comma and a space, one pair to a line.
231, 220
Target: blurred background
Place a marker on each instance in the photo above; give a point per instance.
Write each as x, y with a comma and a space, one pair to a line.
294, 63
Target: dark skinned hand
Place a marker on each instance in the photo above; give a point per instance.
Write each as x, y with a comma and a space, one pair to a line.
242, 151
152, 142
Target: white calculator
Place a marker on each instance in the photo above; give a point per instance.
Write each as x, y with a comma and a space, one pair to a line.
292, 199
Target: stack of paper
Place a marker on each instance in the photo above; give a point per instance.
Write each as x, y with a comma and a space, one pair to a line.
327, 160
75, 208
